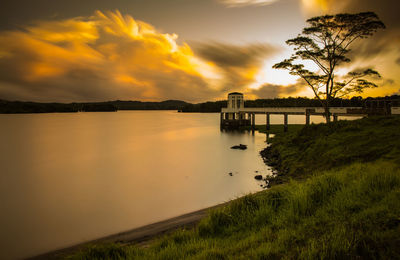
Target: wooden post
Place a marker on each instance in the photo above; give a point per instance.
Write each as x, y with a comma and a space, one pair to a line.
253, 121
268, 127
307, 117
335, 118
285, 122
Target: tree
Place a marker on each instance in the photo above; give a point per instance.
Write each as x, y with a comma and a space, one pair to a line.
326, 43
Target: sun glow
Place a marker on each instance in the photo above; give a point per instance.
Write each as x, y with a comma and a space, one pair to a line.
269, 75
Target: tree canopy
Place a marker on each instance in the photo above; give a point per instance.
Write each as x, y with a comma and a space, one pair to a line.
326, 43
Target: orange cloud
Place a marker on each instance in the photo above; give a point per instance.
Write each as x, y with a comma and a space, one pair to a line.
102, 57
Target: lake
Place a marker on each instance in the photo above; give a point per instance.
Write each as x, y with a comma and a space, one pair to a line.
73, 177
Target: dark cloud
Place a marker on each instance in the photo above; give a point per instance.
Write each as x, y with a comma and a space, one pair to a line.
275, 91
383, 41
228, 55
239, 63
380, 50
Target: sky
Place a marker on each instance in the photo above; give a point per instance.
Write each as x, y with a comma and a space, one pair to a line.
154, 50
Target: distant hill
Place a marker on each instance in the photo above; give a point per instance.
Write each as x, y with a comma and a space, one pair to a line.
8, 107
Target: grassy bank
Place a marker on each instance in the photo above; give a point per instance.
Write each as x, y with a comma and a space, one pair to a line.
303, 151
343, 201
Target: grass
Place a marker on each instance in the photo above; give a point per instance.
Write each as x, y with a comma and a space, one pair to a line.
347, 207
322, 147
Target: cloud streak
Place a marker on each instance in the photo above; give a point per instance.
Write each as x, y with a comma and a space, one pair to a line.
241, 3
239, 64
102, 57
275, 91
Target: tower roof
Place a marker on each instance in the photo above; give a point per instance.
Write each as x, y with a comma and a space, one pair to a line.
235, 93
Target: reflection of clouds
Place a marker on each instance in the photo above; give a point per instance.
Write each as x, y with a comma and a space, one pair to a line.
105, 56
188, 133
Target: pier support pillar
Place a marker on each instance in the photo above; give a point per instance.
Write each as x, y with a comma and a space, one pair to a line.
285, 122
307, 117
267, 127
253, 121
335, 118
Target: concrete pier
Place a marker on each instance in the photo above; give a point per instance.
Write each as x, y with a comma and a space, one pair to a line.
236, 115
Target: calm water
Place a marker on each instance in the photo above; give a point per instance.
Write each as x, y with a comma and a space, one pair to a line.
69, 178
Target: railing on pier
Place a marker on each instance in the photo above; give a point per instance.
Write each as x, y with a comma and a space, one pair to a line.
233, 118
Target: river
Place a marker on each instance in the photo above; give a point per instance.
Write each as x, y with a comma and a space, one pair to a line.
66, 178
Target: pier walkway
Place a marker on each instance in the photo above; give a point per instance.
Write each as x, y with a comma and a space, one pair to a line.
236, 115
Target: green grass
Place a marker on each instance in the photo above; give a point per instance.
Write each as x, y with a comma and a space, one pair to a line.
322, 147
347, 207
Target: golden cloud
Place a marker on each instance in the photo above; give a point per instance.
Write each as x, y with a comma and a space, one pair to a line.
102, 57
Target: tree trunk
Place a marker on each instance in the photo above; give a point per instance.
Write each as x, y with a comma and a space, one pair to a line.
327, 112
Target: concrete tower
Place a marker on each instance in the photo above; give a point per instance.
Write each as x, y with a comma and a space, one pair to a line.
235, 101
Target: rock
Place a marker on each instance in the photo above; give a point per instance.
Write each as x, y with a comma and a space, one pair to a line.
230, 174
258, 177
240, 147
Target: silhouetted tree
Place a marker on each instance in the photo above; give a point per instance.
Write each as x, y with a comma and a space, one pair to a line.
326, 42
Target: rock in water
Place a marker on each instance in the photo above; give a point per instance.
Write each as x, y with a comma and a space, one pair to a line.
240, 146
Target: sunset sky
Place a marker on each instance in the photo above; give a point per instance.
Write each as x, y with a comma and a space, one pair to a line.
154, 50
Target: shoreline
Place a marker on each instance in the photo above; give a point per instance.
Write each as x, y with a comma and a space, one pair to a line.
140, 235
144, 234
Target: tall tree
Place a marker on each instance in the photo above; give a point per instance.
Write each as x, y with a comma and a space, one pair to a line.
326, 43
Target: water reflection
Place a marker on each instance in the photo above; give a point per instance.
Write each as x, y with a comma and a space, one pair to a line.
68, 178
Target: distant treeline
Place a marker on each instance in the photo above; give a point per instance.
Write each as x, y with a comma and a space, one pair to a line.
8, 107
294, 102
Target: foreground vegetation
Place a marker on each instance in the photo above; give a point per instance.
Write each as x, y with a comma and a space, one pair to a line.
346, 205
